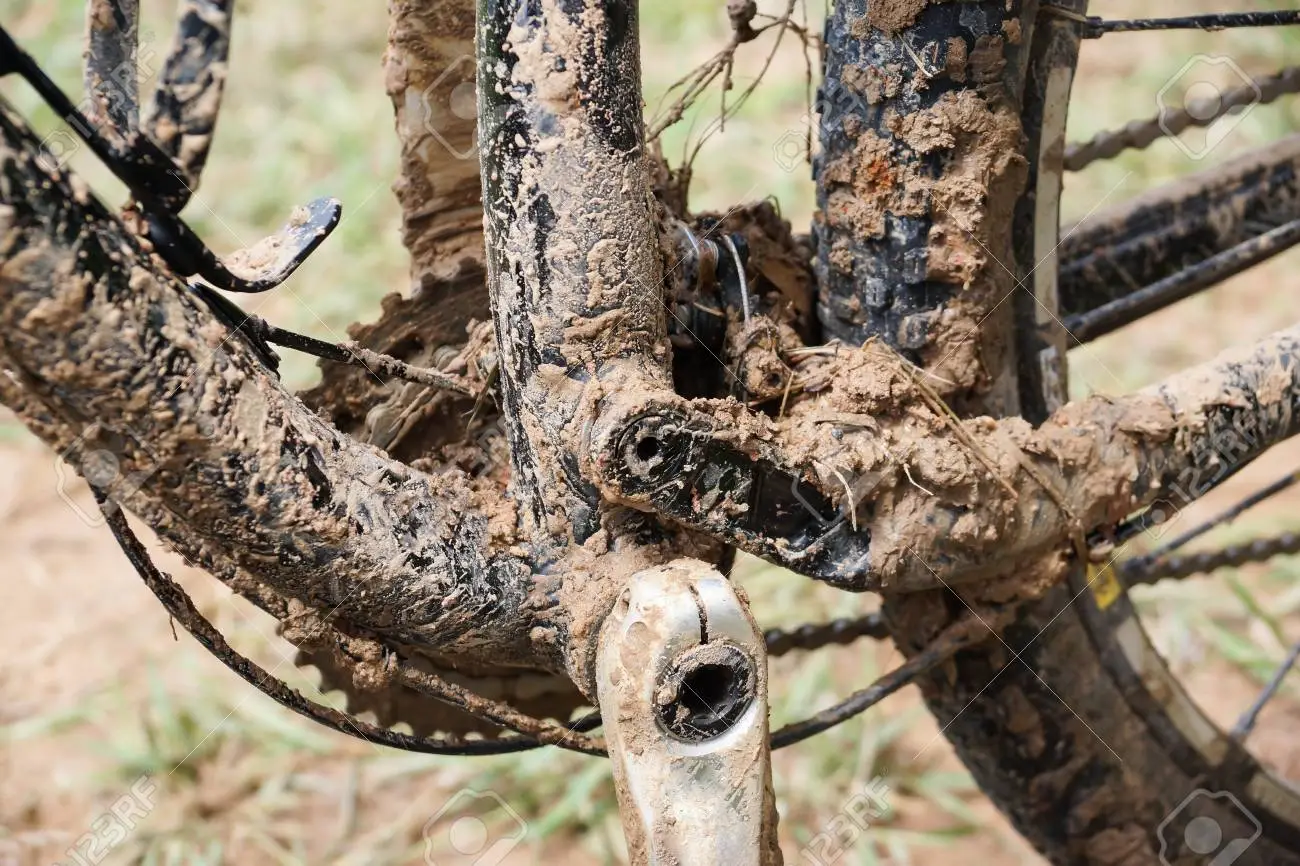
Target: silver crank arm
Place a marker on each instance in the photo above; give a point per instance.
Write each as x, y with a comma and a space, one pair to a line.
682, 684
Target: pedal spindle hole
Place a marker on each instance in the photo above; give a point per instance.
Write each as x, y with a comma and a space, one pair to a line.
706, 692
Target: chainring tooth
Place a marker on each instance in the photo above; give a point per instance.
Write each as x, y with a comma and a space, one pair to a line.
551, 697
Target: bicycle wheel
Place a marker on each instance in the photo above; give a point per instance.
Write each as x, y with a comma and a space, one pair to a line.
1072, 723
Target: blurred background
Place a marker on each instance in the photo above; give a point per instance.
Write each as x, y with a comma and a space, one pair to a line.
102, 711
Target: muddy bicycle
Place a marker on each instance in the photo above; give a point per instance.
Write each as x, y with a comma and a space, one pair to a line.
880, 406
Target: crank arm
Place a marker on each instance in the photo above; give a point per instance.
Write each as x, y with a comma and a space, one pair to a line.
680, 464
158, 183
682, 684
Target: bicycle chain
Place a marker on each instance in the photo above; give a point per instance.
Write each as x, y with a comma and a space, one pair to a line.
1140, 134
810, 637
1138, 572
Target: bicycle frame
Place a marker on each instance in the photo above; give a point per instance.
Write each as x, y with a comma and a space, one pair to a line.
585, 386
589, 402
871, 483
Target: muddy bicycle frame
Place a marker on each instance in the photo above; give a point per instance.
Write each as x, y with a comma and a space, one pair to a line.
595, 425
597, 429
627, 495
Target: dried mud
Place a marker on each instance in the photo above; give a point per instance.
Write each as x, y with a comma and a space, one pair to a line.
943, 167
429, 75
942, 501
239, 477
892, 16
216, 456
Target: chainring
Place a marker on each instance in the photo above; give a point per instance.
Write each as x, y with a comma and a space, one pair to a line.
536, 693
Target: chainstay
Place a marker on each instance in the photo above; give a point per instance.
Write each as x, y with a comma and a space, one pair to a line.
183, 611
1140, 134
1138, 572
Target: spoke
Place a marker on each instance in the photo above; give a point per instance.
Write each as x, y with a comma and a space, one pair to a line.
1224, 21
1246, 723
1211, 272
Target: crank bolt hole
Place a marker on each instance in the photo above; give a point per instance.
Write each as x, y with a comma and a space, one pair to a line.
647, 449
644, 455
706, 693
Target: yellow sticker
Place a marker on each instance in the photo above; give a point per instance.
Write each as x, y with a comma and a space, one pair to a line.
1106, 588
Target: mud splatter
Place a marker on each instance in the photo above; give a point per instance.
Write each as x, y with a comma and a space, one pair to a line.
892, 16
